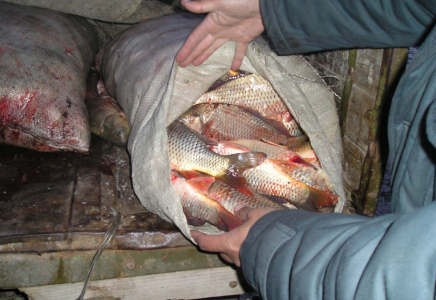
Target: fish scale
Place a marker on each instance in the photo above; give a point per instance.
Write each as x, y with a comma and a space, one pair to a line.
188, 152
229, 197
255, 93
230, 122
197, 205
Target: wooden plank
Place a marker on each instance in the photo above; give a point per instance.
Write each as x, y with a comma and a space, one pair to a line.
179, 285
33, 269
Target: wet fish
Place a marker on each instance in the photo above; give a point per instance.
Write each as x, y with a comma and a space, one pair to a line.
255, 94
308, 174
272, 151
269, 179
229, 198
106, 118
198, 206
230, 122
309, 189
189, 151
291, 163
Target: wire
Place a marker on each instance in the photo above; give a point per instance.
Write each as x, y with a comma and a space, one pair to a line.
107, 237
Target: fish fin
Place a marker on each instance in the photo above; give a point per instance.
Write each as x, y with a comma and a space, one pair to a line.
222, 145
231, 73
238, 164
205, 128
188, 174
272, 121
280, 201
277, 125
287, 165
227, 220
202, 184
237, 182
229, 76
272, 143
320, 198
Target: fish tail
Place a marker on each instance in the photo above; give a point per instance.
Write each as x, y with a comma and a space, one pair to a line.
238, 164
227, 221
320, 199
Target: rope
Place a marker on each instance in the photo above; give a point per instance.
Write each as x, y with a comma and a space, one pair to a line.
107, 237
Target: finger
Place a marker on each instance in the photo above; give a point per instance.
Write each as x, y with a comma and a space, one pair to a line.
199, 49
208, 52
194, 38
200, 6
210, 243
242, 212
239, 55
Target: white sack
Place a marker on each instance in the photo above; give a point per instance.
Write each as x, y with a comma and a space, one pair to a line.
140, 72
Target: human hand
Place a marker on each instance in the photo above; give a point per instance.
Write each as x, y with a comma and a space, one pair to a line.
227, 20
229, 244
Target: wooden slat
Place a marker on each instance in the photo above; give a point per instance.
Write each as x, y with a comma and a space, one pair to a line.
194, 284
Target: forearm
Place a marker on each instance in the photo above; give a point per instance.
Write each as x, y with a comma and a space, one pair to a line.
315, 256
297, 26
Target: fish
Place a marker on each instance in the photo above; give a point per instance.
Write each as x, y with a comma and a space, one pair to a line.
291, 163
106, 118
273, 151
230, 122
188, 150
229, 197
255, 94
198, 206
271, 178
311, 175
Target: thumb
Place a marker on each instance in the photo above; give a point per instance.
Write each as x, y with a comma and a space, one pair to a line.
200, 6
241, 212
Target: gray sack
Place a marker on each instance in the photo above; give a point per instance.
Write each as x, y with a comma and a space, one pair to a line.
140, 72
44, 59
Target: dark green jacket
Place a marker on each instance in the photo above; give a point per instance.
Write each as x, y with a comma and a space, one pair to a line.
303, 255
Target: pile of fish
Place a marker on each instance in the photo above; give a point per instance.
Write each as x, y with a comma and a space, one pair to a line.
239, 144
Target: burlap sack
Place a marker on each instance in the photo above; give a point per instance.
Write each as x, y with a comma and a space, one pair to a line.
140, 72
44, 59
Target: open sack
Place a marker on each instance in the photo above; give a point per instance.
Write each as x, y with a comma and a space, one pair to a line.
140, 72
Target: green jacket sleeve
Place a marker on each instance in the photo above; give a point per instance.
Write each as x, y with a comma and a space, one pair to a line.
301, 26
304, 255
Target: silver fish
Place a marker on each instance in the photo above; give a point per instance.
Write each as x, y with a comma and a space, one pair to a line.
230, 122
255, 94
189, 151
198, 206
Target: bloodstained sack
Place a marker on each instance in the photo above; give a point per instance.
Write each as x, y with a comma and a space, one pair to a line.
44, 58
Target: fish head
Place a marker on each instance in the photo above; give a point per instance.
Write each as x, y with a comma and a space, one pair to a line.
117, 129
194, 117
